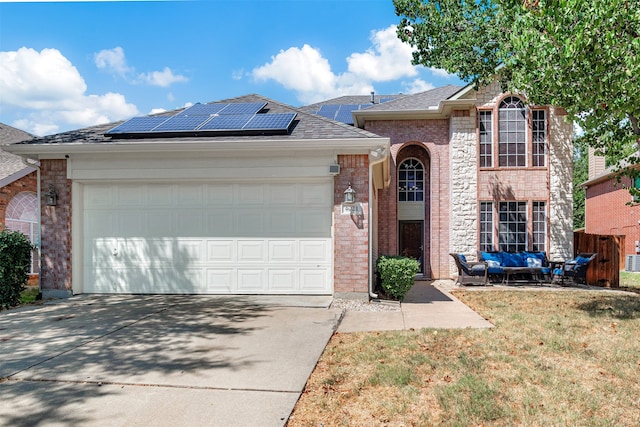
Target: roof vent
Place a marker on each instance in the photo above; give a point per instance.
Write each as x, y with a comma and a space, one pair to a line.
373, 97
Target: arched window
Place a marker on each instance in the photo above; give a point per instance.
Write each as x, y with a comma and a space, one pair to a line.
512, 132
22, 215
411, 181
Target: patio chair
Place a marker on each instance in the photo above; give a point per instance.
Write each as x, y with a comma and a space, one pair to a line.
470, 273
574, 270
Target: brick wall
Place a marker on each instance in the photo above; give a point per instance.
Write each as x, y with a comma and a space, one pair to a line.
428, 140
607, 212
351, 241
8, 192
55, 268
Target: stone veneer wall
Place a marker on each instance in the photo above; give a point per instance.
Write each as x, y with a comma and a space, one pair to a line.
464, 185
55, 240
351, 232
561, 185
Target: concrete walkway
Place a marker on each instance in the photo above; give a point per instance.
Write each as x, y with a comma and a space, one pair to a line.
427, 305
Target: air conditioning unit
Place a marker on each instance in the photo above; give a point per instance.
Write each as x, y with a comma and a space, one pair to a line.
632, 263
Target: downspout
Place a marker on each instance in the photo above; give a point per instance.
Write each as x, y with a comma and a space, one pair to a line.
383, 154
36, 166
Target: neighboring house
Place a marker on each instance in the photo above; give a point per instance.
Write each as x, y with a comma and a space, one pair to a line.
610, 209
202, 201
18, 192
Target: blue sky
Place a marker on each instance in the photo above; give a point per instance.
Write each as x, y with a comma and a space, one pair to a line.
68, 65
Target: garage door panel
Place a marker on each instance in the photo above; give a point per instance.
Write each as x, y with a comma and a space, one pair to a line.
221, 251
251, 280
312, 280
247, 238
251, 251
283, 279
220, 280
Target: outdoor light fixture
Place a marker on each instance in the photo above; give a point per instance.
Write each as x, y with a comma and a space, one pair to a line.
51, 196
349, 195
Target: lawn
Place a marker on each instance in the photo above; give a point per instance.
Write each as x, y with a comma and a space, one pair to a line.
554, 358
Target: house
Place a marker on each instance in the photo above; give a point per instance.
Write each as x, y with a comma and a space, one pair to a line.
610, 209
250, 196
18, 193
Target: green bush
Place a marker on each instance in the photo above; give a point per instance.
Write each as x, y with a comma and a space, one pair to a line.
15, 260
397, 274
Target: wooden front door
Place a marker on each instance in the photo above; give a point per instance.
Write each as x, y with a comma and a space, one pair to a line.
411, 241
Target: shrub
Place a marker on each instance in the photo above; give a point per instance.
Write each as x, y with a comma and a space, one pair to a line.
397, 274
15, 259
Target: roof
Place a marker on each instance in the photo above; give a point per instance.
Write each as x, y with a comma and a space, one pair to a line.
306, 126
614, 170
11, 166
427, 100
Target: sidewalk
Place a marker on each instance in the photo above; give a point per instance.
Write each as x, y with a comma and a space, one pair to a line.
427, 305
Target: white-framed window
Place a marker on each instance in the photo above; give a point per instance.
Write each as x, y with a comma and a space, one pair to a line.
539, 226
486, 226
512, 132
512, 226
485, 135
539, 138
22, 215
411, 181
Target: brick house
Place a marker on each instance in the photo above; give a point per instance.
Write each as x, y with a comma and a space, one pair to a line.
609, 207
18, 192
177, 204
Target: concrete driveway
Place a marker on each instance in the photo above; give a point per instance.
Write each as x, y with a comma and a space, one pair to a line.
160, 360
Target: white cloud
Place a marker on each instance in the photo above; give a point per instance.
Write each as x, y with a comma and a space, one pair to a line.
162, 78
388, 59
157, 110
441, 73
305, 71
114, 61
47, 93
417, 86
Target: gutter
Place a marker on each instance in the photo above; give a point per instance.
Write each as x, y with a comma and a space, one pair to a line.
380, 155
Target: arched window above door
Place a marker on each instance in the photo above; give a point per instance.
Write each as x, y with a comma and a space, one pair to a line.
411, 181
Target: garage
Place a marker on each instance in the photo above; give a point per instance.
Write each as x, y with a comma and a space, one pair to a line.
240, 196
208, 238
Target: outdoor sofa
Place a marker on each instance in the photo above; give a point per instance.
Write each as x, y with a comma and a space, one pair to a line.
509, 266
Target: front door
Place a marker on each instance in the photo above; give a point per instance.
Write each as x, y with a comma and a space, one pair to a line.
411, 240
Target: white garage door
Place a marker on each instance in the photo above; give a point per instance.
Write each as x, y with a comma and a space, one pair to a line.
223, 238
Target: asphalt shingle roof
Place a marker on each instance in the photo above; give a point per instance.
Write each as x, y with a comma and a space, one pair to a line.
306, 126
10, 163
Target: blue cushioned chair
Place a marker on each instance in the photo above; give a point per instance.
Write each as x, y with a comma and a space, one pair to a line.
470, 273
574, 270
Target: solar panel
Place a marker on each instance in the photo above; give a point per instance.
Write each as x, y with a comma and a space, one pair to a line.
344, 116
243, 108
270, 121
328, 114
181, 123
328, 110
138, 125
386, 100
235, 122
203, 109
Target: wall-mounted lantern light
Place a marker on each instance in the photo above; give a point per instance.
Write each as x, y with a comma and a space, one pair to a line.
349, 195
51, 196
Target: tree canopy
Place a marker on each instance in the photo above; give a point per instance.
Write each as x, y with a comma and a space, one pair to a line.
582, 55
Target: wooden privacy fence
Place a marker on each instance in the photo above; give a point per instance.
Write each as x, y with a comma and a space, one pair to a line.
605, 269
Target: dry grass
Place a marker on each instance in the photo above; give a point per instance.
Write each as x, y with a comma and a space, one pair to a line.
554, 358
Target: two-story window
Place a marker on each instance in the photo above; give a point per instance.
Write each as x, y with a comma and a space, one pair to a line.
513, 135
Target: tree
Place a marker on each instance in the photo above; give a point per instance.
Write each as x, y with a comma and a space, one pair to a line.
582, 55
